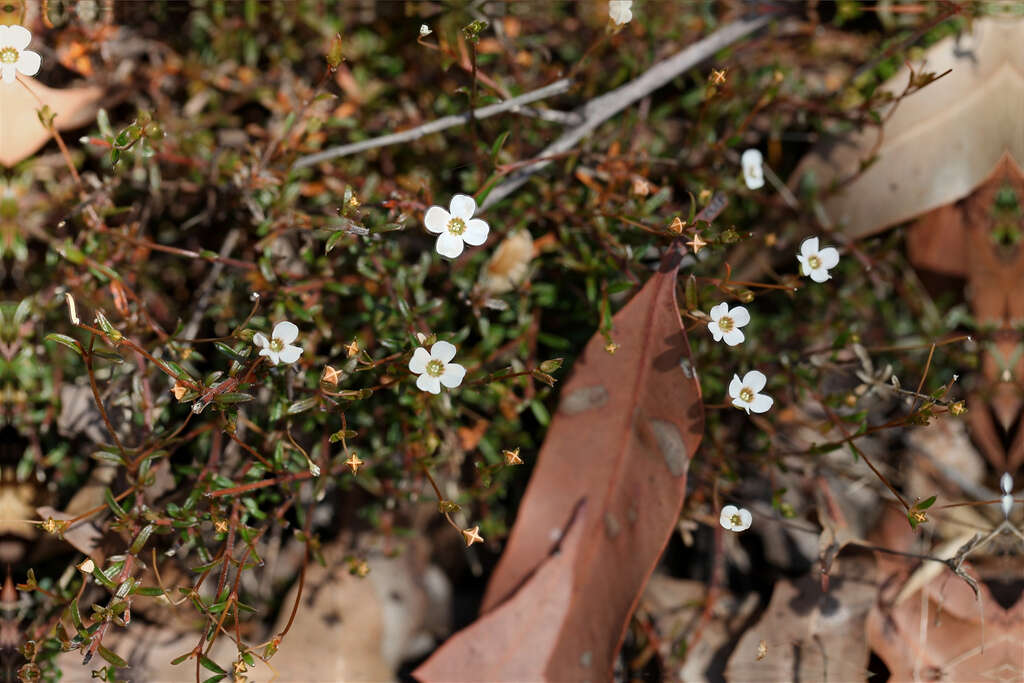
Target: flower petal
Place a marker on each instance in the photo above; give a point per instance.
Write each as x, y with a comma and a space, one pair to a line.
809, 247
733, 337
829, 257
715, 330
745, 518
28, 63
804, 268
285, 332
271, 355
462, 206
449, 245
290, 353
443, 351
476, 232
725, 519
18, 37
762, 403
419, 360
452, 375
735, 387
436, 219
718, 311
259, 339
820, 275
755, 380
427, 383
742, 405
9, 72
740, 316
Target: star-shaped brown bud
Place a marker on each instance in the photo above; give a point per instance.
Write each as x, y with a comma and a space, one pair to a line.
352, 348
330, 376
717, 76
512, 457
697, 243
179, 389
354, 462
472, 536
677, 225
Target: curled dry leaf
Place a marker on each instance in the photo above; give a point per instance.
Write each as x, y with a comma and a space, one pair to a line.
618, 452
940, 143
509, 265
23, 134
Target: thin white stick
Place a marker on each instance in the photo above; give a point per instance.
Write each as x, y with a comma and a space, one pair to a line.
600, 109
511, 105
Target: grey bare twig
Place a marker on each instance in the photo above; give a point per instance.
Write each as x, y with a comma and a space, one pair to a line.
512, 105
600, 109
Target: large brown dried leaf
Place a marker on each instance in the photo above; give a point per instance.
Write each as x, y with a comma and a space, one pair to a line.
811, 635
21, 133
621, 441
929, 625
941, 142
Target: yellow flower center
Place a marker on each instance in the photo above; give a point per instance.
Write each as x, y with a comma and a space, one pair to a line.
746, 395
8, 55
814, 262
435, 368
735, 520
725, 323
456, 226
276, 345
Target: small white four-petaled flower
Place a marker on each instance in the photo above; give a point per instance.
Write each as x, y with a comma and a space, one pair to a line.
735, 519
620, 11
456, 226
725, 324
816, 262
436, 367
13, 55
753, 168
745, 393
279, 348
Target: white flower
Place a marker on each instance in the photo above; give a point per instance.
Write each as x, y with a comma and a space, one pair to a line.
436, 368
425, 30
456, 225
816, 262
753, 168
279, 348
620, 11
735, 519
725, 324
13, 55
744, 392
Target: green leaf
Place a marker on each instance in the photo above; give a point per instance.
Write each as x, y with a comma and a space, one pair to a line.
926, 503
112, 657
114, 506
302, 406
498, 144
210, 664
233, 397
65, 340
180, 658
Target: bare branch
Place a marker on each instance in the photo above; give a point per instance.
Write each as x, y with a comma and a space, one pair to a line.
513, 105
